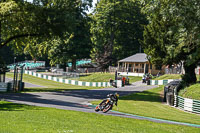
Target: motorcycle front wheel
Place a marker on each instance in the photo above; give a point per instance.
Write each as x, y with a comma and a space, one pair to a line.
97, 108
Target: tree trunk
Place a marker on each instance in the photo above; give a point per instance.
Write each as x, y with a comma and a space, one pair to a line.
64, 66
0, 35
189, 77
73, 65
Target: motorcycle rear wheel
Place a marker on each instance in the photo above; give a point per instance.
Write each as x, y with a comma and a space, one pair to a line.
107, 108
100, 106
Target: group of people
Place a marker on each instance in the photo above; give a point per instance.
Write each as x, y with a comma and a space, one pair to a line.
125, 81
146, 77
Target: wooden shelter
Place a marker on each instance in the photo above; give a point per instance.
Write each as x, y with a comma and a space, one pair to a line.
137, 65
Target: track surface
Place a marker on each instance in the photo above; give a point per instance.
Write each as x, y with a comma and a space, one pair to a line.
78, 100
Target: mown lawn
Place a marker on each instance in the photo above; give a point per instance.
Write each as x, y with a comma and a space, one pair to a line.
105, 77
168, 76
48, 85
192, 92
148, 103
15, 118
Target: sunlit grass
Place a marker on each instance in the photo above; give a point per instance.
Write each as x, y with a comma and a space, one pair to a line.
104, 77
192, 92
168, 76
17, 118
149, 103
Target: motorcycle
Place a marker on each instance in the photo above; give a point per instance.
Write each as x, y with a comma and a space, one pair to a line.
105, 105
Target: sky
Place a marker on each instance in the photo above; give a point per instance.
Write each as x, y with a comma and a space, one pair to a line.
93, 4
94, 1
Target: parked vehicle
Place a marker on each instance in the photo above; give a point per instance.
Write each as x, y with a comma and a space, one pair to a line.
107, 104
146, 78
170, 87
113, 83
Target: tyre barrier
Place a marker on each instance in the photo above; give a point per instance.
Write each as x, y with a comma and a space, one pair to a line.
187, 104
68, 81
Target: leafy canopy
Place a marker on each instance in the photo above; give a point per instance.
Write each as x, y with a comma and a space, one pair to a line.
172, 34
116, 29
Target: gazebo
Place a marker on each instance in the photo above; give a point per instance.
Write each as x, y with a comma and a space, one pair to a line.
137, 65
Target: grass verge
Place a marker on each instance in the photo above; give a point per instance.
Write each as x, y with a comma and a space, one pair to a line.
192, 92
47, 85
148, 103
168, 76
17, 118
105, 77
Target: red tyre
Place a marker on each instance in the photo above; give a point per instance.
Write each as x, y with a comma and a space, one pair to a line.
97, 108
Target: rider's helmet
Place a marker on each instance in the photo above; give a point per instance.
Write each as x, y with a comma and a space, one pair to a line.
116, 94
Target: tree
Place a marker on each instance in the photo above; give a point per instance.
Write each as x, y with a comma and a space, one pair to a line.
75, 43
116, 29
172, 34
23, 23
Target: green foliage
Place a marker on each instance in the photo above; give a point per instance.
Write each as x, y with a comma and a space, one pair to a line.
172, 34
116, 28
75, 42
33, 27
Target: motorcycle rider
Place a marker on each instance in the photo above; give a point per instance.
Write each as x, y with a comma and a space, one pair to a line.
114, 97
111, 99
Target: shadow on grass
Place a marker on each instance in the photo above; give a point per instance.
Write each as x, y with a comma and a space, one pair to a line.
85, 75
48, 89
7, 106
143, 96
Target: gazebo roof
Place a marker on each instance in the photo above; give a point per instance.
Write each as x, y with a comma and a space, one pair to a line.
139, 57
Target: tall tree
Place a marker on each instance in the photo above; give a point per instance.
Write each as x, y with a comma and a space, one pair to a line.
116, 30
172, 34
75, 44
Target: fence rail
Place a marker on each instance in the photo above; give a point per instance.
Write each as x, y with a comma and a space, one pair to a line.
162, 82
68, 81
187, 104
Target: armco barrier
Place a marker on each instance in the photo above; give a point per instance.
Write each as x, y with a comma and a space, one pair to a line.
187, 104
161, 82
68, 81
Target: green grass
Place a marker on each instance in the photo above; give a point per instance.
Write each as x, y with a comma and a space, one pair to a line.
192, 92
48, 85
105, 77
172, 76
168, 76
17, 118
148, 103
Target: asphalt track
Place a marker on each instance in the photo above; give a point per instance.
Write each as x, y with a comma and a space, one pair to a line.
79, 100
